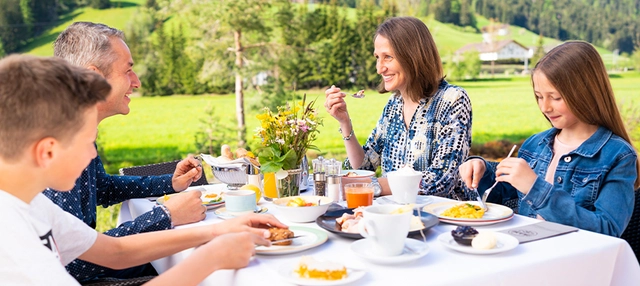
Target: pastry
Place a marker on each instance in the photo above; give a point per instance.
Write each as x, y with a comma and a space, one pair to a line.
226, 152
323, 270
280, 233
241, 153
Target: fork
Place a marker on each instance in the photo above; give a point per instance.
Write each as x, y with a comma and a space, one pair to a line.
486, 193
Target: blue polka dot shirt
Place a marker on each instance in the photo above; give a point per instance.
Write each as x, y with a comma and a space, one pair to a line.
436, 143
96, 187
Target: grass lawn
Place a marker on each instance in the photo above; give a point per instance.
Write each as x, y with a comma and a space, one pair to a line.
162, 128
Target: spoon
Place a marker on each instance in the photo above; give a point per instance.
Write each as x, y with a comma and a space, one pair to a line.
359, 94
486, 193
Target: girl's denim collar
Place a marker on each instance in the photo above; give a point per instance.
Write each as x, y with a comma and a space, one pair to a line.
588, 148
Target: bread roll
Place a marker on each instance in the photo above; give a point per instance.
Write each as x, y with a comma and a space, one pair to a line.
241, 153
226, 152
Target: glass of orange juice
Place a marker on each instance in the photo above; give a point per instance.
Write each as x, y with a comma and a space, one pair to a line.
269, 186
358, 194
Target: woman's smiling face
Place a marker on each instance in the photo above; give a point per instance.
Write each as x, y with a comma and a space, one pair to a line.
387, 65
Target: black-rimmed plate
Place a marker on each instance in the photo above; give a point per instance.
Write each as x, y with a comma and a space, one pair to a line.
327, 221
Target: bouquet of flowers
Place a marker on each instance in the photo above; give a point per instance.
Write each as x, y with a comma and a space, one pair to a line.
287, 135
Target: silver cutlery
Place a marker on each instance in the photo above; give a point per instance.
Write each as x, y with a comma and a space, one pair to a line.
486, 193
287, 239
359, 94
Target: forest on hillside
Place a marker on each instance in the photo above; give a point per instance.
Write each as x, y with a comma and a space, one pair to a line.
607, 23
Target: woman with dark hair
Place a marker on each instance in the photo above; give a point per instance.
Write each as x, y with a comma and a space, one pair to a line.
581, 172
426, 123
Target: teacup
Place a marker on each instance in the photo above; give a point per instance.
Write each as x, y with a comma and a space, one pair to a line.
240, 202
385, 229
404, 185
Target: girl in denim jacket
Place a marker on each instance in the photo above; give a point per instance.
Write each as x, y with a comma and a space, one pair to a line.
582, 172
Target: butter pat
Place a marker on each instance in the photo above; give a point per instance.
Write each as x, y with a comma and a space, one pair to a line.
484, 240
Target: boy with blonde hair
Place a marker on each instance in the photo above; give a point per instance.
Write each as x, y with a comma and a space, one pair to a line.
49, 119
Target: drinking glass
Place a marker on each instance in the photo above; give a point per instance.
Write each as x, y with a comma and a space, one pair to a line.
358, 194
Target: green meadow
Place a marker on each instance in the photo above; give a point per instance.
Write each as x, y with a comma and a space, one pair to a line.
163, 128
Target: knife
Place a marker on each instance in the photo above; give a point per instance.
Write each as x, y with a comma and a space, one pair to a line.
286, 239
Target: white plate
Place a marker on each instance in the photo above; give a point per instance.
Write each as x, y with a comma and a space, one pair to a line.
223, 214
505, 243
496, 213
287, 272
475, 223
312, 237
206, 190
360, 173
362, 248
420, 200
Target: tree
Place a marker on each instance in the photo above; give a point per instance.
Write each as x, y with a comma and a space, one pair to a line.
100, 4
245, 21
539, 52
635, 58
27, 15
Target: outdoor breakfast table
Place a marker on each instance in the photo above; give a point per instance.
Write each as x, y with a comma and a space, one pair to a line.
577, 258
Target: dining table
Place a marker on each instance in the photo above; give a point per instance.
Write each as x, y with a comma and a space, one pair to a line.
576, 258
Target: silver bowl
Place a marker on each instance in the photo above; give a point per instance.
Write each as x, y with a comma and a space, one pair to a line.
234, 177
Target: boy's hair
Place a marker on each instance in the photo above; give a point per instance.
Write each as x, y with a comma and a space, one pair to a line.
43, 97
576, 70
417, 54
84, 44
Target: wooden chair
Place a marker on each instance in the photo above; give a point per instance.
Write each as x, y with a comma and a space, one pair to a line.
632, 233
158, 169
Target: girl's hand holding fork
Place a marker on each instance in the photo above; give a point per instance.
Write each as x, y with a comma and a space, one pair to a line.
516, 172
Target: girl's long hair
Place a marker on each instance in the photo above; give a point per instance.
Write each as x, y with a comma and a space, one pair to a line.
576, 70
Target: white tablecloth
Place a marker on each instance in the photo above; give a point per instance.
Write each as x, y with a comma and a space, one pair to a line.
578, 258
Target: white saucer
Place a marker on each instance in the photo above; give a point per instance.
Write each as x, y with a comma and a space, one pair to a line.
421, 201
224, 214
505, 243
287, 272
362, 248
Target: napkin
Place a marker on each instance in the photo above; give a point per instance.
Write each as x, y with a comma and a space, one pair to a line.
537, 231
213, 161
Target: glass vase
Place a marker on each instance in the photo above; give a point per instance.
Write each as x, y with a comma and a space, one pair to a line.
290, 185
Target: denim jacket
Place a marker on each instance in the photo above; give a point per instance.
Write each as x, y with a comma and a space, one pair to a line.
593, 184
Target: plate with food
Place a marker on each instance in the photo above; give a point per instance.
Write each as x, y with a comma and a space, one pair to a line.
211, 197
310, 271
358, 173
344, 222
305, 238
469, 213
482, 242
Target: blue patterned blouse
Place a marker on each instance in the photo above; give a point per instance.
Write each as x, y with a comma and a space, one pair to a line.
96, 187
436, 143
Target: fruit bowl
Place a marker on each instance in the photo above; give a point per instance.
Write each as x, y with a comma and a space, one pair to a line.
302, 213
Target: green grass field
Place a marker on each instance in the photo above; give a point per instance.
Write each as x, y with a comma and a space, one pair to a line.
162, 128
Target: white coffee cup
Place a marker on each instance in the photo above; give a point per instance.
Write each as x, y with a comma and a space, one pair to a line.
240, 202
385, 231
405, 185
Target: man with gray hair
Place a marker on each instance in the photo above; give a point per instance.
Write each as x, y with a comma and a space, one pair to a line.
102, 49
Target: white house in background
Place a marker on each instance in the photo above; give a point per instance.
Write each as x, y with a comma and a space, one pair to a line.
499, 50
